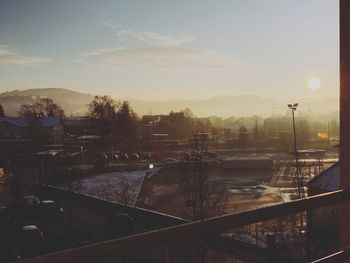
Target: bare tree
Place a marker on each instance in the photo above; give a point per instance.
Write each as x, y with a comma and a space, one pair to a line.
43, 108
126, 192
213, 202
103, 110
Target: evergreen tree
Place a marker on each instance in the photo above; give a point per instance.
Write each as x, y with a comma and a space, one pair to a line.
127, 126
2, 112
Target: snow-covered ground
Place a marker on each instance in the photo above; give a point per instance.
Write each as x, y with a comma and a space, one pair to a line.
283, 192
106, 185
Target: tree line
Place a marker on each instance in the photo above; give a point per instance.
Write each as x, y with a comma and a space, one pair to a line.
116, 122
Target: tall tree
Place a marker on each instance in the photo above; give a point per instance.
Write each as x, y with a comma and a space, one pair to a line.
178, 124
127, 125
103, 109
243, 137
43, 108
2, 112
188, 113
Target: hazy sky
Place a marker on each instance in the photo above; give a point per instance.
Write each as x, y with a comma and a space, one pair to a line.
171, 49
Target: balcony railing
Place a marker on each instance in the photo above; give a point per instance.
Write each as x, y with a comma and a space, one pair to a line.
336, 257
166, 238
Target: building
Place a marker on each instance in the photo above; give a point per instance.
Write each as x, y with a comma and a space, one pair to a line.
49, 129
323, 223
78, 126
21, 135
279, 131
80, 134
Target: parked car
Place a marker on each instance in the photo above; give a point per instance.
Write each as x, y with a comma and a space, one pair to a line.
146, 155
135, 156
26, 206
49, 208
101, 160
5, 218
124, 157
29, 240
8, 252
115, 157
104, 156
30, 200
6, 222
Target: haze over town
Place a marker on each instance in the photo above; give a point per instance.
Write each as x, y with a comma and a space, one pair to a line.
75, 103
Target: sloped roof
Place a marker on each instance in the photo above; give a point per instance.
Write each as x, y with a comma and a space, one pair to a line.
17, 121
24, 122
50, 121
328, 180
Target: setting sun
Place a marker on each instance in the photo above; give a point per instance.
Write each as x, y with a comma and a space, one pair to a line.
314, 83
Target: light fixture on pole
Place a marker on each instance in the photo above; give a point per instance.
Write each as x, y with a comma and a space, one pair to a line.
293, 107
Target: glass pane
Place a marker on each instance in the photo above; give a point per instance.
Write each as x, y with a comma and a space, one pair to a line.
124, 117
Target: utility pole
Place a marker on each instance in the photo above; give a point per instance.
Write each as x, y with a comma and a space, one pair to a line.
293, 107
203, 137
113, 142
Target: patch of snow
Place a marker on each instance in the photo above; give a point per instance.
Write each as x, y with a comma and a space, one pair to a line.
106, 186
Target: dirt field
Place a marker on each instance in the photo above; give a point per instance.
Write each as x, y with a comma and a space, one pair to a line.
235, 189
238, 189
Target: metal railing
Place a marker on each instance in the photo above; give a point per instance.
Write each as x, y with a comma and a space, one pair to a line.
165, 238
151, 218
336, 257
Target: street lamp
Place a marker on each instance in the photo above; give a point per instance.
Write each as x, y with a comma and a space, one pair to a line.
293, 107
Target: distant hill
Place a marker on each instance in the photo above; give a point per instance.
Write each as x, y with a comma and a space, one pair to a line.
74, 103
221, 106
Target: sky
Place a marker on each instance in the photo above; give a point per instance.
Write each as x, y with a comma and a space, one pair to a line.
160, 49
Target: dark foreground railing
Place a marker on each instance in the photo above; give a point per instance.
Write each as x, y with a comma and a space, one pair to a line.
152, 219
336, 257
110, 251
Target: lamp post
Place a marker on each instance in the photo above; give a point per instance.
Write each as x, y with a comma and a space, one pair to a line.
293, 107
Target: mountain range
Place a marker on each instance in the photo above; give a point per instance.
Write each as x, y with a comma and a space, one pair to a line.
74, 103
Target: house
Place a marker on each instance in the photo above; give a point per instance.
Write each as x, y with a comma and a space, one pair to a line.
18, 134
78, 126
279, 131
81, 133
326, 181
323, 223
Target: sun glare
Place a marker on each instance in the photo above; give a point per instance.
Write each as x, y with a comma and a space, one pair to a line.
314, 83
